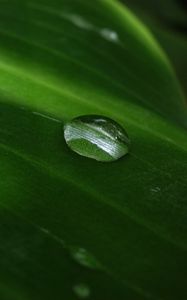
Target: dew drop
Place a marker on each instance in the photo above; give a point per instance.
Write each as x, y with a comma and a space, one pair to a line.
109, 35
78, 21
81, 290
156, 189
84, 258
97, 137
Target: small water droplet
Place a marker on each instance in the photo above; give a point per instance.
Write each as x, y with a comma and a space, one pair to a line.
78, 21
84, 258
97, 137
109, 35
81, 290
155, 189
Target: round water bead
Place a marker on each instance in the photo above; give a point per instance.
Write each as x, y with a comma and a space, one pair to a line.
97, 137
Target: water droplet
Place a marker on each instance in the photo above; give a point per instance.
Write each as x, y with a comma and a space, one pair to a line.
81, 290
155, 189
97, 137
84, 258
78, 21
109, 35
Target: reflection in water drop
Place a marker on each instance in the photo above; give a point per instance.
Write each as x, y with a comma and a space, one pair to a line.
97, 137
109, 35
81, 290
84, 258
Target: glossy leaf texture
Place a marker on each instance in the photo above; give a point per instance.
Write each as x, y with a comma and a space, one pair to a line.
72, 227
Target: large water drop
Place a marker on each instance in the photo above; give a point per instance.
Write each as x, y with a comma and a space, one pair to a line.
97, 137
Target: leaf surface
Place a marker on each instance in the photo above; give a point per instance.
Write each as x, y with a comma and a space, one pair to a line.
68, 221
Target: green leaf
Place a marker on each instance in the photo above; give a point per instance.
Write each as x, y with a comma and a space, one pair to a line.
70, 226
167, 20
